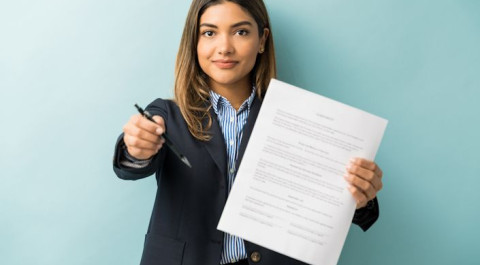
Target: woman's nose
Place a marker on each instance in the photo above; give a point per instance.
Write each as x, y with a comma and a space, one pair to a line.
225, 45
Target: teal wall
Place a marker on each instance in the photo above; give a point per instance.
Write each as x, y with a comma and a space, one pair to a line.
70, 72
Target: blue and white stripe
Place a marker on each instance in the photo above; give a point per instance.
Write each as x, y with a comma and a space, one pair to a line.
232, 123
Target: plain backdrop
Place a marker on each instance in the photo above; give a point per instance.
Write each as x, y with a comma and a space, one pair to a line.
70, 72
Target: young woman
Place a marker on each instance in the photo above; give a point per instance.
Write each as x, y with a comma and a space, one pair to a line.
225, 62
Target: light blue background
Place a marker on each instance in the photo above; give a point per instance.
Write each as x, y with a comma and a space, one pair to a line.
70, 72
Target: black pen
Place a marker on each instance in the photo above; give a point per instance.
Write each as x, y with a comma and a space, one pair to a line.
169, 143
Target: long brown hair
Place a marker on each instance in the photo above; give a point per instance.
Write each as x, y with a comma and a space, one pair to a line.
191, 86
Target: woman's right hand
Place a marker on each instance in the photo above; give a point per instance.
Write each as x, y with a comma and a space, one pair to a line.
143, 137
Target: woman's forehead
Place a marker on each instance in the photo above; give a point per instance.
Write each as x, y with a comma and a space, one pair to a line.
226, 12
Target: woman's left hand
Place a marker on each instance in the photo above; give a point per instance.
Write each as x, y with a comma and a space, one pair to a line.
365, 179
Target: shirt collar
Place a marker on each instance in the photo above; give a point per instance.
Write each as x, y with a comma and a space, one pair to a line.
218, 101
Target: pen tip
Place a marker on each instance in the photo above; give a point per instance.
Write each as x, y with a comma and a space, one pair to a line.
185, 160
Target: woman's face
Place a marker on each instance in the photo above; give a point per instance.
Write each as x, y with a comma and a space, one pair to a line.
228, 45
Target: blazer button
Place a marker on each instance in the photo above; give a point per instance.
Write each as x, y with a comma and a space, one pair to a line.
255, 256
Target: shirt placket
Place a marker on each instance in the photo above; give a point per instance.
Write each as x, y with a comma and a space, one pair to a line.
232, 147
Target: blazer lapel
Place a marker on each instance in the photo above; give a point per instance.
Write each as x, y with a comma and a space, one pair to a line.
216, 146
247, 130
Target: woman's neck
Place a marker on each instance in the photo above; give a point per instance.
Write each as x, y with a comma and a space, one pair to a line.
236, 94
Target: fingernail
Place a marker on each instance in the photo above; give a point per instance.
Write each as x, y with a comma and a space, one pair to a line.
349, 166
159, 131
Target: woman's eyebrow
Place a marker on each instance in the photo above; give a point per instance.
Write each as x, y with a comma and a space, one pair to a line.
208, 25
241, 23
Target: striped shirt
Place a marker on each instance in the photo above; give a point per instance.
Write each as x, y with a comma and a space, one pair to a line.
232, 123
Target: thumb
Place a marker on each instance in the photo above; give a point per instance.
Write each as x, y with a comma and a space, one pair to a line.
159, 120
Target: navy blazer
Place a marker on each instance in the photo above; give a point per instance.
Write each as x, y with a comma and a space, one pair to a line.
189, 201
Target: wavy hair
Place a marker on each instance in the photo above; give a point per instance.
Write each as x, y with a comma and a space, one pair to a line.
191, 84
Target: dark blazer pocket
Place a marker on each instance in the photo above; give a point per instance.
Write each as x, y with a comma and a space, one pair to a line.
160, 250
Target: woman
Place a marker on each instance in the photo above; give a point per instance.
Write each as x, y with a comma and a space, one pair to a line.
225, 62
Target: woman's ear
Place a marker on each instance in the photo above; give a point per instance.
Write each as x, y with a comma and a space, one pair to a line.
263, 40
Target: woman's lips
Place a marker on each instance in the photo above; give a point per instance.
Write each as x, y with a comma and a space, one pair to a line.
225, 64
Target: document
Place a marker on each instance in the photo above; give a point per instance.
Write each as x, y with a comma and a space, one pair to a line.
289, 194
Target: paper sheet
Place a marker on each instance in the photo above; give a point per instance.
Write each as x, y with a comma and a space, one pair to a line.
289, 194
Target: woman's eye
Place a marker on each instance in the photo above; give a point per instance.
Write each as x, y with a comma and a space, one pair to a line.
208, 33
242, 32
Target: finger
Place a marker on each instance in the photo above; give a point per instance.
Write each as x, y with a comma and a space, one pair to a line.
367, 164
147, 125
358, 196
371, 165
362, 172
379, 172
376, 178
366, 175
134, 131
159, 120
161, 123
364, 186
133, 141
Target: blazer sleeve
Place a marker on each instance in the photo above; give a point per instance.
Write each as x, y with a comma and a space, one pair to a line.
128, 173
365, 217
157, 107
